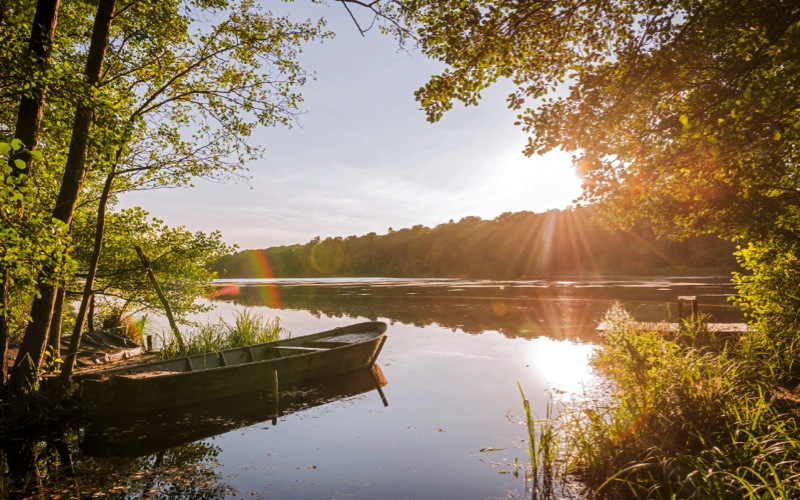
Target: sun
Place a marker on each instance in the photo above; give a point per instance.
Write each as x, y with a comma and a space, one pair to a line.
513, 182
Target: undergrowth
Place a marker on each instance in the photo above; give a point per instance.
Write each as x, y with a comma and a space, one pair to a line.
690, 414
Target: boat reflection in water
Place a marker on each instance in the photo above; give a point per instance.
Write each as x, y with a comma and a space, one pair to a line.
112, 434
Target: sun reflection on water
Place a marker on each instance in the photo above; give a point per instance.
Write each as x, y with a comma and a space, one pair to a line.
563, 364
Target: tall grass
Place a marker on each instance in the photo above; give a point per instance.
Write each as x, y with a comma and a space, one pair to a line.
690, 415
542, 448
247, 328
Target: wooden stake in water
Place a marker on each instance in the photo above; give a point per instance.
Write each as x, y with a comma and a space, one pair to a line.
275, 397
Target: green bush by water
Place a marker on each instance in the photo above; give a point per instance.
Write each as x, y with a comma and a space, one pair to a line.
247, 328
690, 415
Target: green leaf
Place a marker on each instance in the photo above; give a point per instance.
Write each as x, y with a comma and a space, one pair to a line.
684, 120
491, 448
19, 164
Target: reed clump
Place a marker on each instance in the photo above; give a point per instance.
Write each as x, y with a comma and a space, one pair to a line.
247, 328
690, 415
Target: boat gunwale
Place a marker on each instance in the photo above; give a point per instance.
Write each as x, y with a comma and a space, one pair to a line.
129, 372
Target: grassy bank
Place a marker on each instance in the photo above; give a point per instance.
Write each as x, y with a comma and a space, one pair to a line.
689, 415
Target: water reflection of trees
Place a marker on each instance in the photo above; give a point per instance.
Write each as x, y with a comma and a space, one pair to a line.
163, 454
53, 466
474, 307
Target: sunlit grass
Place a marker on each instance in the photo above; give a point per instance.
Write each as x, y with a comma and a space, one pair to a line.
247, 328
690, 415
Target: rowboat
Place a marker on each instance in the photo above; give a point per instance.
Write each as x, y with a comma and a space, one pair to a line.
181, 381
140, 434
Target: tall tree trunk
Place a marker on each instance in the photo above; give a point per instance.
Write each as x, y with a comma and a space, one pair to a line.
29, 119
88, 287
31, 106
33, 345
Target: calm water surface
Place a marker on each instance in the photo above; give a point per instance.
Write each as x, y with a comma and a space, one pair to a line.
446, 389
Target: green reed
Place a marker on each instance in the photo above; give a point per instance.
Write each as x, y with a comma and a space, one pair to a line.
542, 448
691, 415
247, 328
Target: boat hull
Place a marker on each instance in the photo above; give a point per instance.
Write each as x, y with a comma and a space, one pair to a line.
267, 366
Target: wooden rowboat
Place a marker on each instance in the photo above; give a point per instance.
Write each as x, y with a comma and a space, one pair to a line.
181, 381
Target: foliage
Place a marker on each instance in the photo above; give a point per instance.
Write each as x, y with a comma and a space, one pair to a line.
31, 240
512, 246
689, 420
190, 93
768, 288
178, 259
248, 328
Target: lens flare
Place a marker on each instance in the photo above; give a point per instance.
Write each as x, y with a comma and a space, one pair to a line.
259, 266
225, 291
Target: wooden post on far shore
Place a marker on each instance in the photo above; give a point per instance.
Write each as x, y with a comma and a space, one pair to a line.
692, 301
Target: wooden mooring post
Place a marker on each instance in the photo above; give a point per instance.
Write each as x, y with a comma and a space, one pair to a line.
275, 397
684, 301
690, 300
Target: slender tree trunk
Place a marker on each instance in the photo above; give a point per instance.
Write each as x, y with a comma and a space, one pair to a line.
90, 314
33, 345
88, 287
4, 333
54, 336
163, 298
29, 119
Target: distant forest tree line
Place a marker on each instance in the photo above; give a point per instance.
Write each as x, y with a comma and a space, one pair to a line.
512, 246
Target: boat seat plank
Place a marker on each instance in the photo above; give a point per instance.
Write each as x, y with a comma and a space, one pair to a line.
327, 344
301, 348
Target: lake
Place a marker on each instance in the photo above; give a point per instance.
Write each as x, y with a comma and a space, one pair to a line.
440, 417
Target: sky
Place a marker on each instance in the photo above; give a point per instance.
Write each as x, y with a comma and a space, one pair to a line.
364, 159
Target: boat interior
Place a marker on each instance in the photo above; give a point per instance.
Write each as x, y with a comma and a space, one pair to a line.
243, 355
